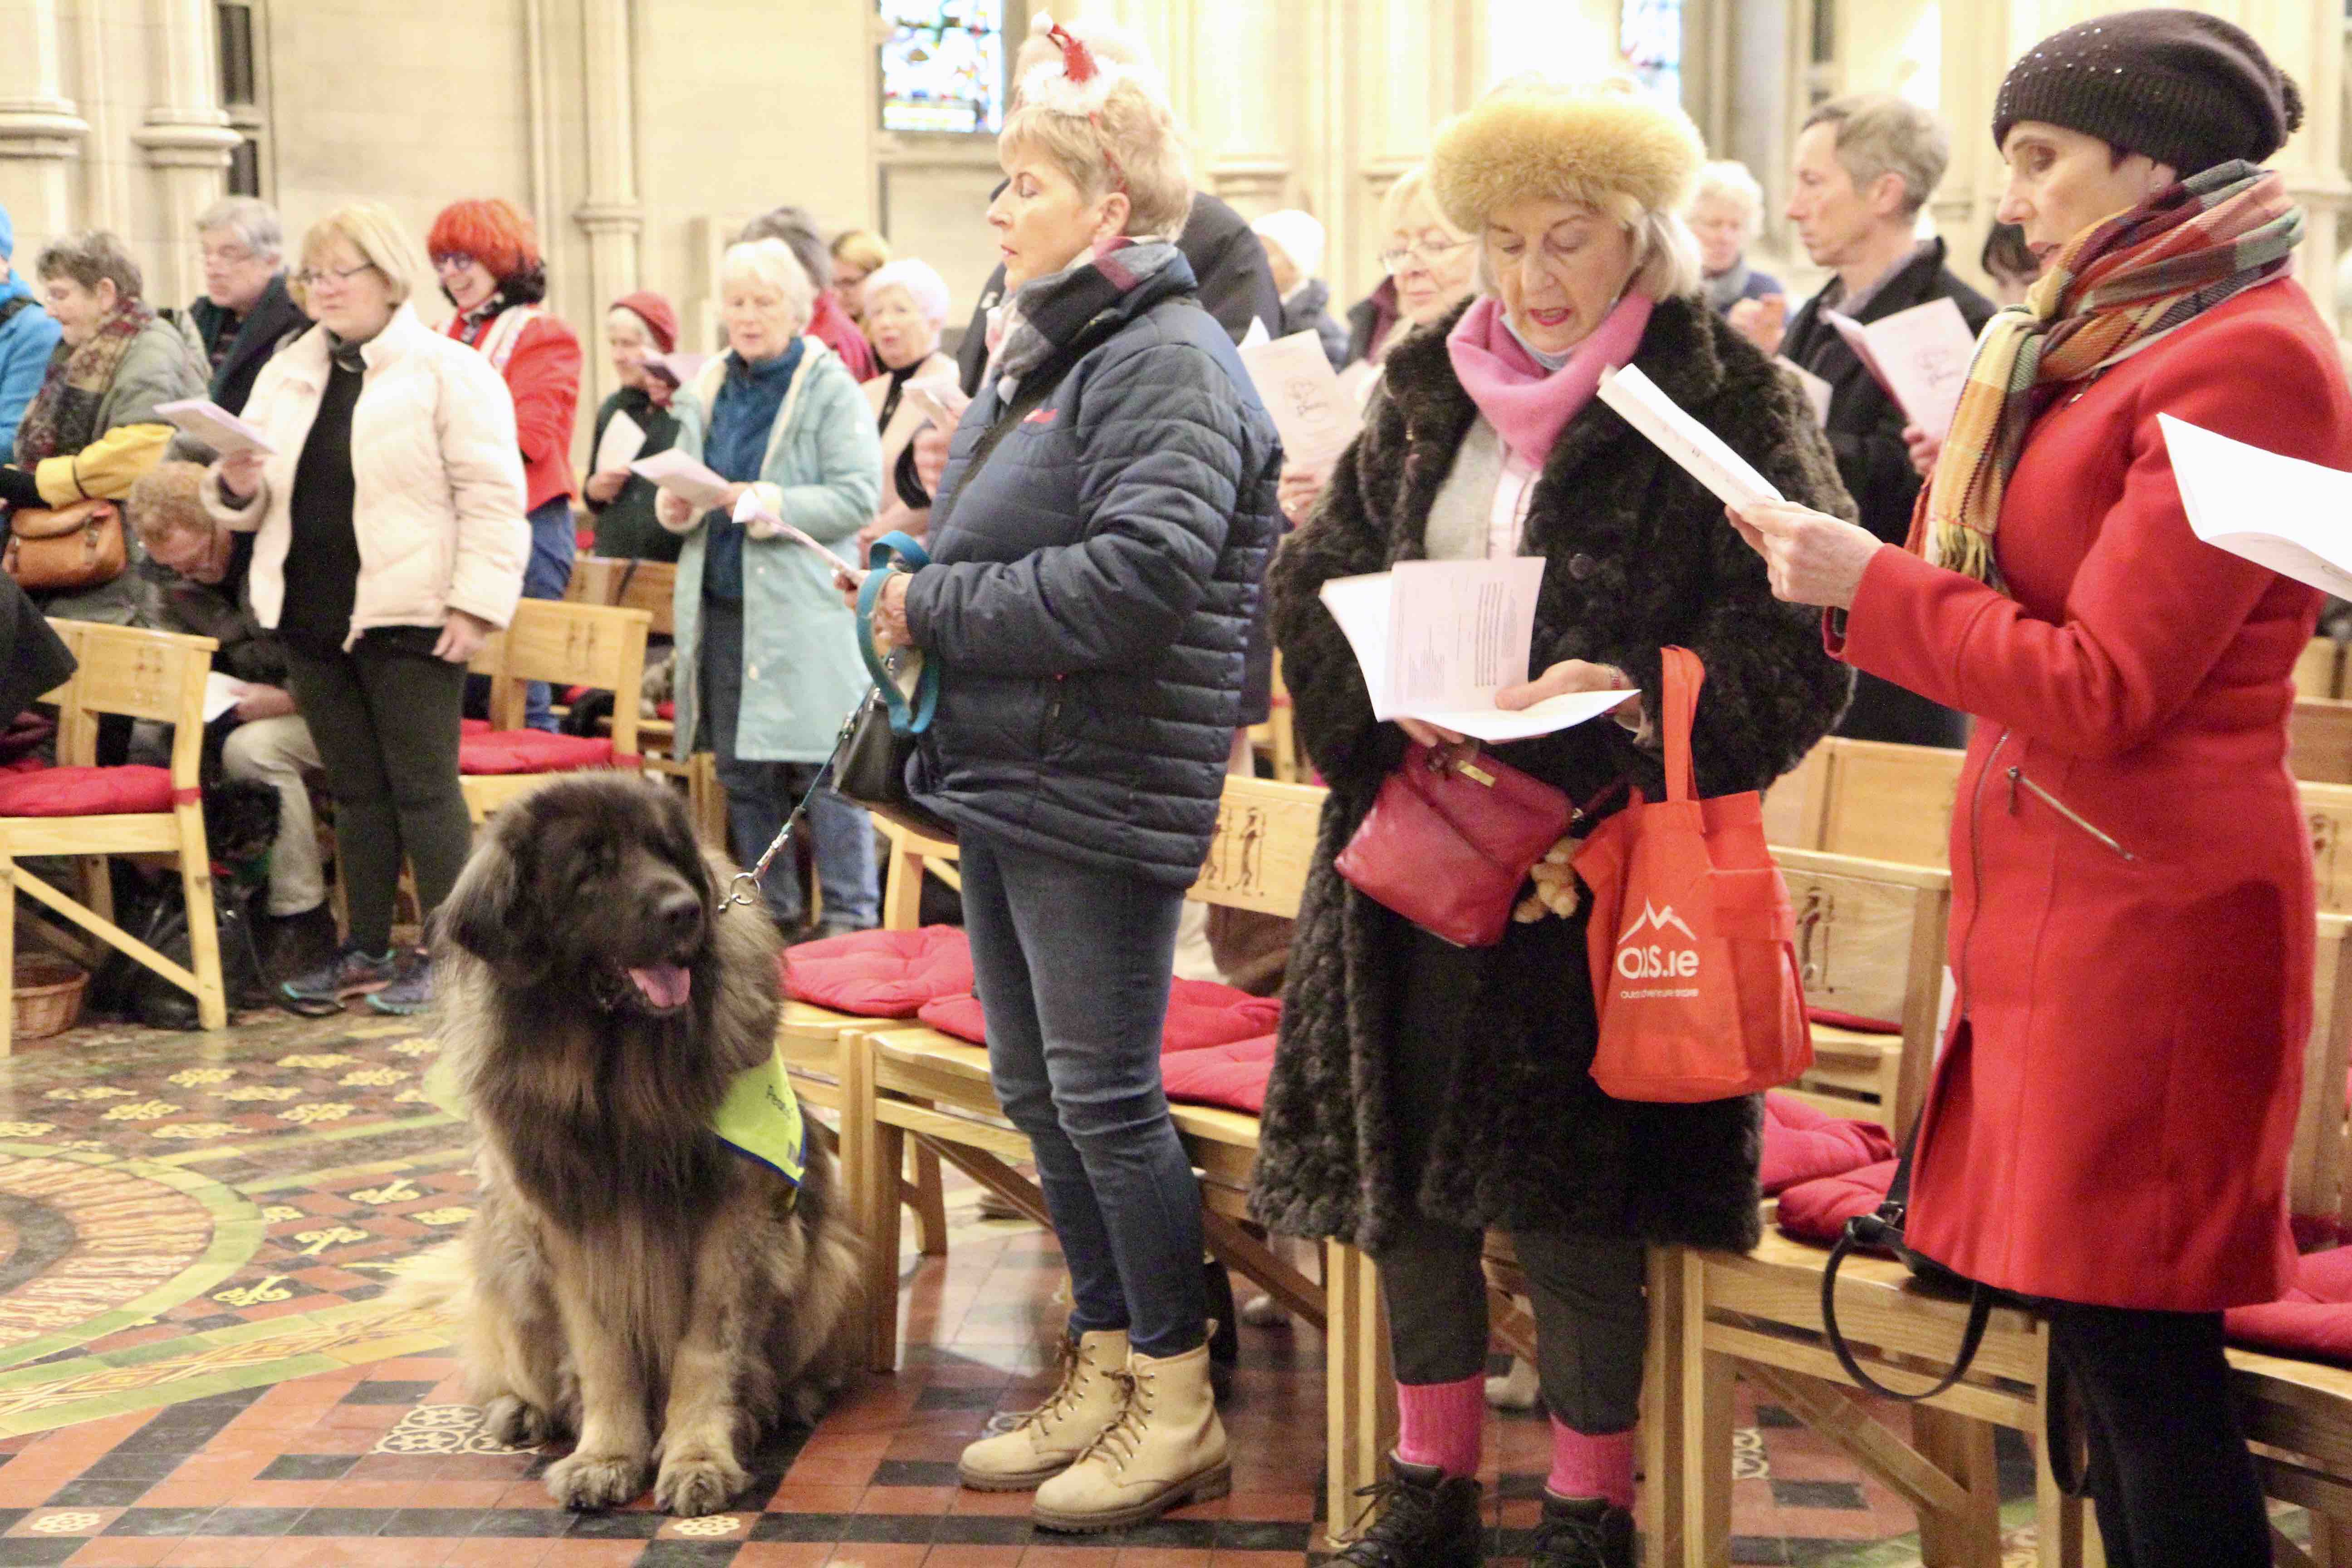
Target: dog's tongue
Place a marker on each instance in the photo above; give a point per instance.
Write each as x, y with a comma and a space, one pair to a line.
665, 984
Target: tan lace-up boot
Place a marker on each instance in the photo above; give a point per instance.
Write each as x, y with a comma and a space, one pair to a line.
1166, 1450
1048, 1440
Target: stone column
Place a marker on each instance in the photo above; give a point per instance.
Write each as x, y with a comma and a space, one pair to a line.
611, 214
41, 132
187, 139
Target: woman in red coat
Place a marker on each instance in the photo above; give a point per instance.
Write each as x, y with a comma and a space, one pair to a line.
2133, 918
485, 254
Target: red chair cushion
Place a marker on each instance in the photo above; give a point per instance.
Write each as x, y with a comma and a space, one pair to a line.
1834, 1019
85, 792
572, 694
881, 973
531, 752
1817, 1210
665, 710
1802, 1144
473, 726
1231, 1077
957, 1016
2312, 1320
1200, 1014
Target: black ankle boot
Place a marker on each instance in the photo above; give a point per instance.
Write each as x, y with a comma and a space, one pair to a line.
1427, 1520
1583, 1532
1225, 1338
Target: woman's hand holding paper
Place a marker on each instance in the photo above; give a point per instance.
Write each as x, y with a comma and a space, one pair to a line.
1810, 557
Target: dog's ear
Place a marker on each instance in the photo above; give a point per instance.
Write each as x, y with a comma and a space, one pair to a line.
478, 913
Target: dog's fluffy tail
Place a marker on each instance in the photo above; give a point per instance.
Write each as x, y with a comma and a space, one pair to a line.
440, 1281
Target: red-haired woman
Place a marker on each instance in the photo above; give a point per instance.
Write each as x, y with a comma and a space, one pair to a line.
487, 256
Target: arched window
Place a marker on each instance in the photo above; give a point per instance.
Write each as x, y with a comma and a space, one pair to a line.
943, 66
1650, 36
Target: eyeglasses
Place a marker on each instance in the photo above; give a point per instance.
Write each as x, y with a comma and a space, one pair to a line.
227, 255
1429, 253
456, 261
313, 278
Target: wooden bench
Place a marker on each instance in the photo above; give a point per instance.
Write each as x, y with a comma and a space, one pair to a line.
2319, 672
1868, 799
2319, 740
138, 674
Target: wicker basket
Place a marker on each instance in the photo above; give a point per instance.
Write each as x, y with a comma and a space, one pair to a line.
48, 995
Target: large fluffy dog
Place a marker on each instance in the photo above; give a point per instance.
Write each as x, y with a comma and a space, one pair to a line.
629, 1278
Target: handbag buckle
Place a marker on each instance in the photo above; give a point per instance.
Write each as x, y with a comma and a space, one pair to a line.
1474, 773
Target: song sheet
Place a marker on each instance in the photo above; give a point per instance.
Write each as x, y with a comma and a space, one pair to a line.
2276, 511
1697, 450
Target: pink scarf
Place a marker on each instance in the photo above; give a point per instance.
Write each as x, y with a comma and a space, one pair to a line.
1527, 404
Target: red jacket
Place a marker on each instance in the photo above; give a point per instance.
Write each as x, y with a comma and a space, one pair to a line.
831, 325
539, 358
2133, 916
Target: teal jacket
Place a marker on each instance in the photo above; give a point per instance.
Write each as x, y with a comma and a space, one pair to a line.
802, 672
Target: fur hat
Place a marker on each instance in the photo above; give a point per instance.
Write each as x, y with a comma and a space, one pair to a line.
1534, 138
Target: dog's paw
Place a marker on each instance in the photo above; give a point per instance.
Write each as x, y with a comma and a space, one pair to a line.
584, 1483
516, 1423
693, 1483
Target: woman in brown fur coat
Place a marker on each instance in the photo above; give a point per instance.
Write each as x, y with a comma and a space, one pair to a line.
1425, 1093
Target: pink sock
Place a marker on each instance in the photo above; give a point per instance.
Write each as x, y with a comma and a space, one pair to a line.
1584, 1466
1438, 1423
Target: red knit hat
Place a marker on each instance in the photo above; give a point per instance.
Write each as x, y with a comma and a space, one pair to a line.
656, 312
493, 233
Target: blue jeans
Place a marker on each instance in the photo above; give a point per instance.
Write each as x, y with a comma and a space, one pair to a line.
761, 795
1073, 966
554, 544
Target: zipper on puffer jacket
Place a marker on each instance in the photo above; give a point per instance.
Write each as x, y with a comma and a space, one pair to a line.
2017, 778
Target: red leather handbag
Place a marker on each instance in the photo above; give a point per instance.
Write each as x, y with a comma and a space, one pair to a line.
1450, 840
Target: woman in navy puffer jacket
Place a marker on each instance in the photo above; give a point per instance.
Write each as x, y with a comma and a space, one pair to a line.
1095, 571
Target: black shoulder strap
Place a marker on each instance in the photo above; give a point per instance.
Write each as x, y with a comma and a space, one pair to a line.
11, 306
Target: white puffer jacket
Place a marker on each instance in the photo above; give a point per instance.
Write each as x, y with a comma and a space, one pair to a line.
438, 480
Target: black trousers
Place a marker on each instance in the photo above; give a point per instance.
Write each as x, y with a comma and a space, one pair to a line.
385, 716
2168, 1473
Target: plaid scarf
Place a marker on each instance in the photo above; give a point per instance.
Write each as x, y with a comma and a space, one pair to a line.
63, 416
2116, 287
1048, 312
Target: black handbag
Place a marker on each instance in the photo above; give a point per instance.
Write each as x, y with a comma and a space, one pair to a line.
1882, 1231
869, 765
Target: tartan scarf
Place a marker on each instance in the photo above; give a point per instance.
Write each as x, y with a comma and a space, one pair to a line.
63, 416
2112, 289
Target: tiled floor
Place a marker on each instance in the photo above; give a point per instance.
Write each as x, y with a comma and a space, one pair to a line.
197, 1368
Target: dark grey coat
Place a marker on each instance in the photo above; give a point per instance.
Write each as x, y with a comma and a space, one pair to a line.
1641, 557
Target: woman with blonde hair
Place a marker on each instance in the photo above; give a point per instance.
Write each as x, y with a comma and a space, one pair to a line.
1726, 216
1425, 1093
390, 542
1105, 522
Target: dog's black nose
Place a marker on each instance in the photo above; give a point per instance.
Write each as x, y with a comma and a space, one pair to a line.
677, 916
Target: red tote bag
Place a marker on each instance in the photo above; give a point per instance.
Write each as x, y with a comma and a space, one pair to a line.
1692, 939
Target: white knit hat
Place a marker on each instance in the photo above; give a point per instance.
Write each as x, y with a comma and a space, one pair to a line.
1300, 236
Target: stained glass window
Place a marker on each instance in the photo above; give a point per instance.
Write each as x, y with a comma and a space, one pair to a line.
943, 66
1651, 36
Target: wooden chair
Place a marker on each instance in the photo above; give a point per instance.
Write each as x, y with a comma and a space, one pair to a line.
2319, 741
140, 674
1884, 802
564, 644
1870, 944
815, 1044
650, 587
2319, 672
1758, 1317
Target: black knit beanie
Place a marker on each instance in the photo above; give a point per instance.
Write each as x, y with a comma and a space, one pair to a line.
2182, 88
